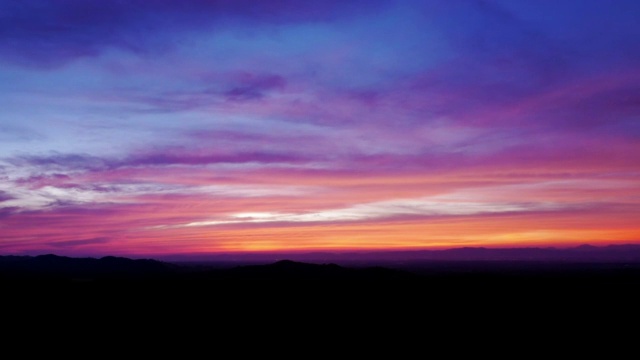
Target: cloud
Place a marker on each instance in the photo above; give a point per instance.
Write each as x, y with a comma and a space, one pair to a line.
322, 114
4, 196
51, 33
80, 191
182, 157
424, 207
13, 133
58, 161
42, 180
79, 243
211, 90
251, 87
7, 211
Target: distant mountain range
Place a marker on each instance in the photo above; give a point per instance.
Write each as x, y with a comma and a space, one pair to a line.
587, 253
60, 268
51, 267
582, 253
586, 263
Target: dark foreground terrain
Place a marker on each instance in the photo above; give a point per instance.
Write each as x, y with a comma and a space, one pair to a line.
417, 274
452, 291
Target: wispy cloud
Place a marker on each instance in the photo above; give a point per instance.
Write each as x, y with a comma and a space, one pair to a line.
4, 196
209, 125
51, 34
426, 207
80, 243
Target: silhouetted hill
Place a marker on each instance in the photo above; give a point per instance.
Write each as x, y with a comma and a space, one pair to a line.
437, 287
51, 267
583, 253
584, 265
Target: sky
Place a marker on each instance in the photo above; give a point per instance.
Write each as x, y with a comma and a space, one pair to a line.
160, 127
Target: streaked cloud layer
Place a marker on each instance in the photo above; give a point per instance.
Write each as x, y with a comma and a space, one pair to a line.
162, 127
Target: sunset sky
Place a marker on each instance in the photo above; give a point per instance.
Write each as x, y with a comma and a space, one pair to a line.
159, 127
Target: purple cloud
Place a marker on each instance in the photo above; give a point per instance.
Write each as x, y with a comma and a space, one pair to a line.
165, 112
252, 87
57, 161
51, 33
4, 196
38, 181
80, 243
173, 157
156, 157
6, 212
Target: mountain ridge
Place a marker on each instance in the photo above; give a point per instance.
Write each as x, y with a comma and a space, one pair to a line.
468, 261
581, 253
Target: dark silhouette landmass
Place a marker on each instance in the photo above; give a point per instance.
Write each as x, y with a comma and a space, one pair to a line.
589, 266
62, 269
143, 295
583, 253
313, 293
52, 267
